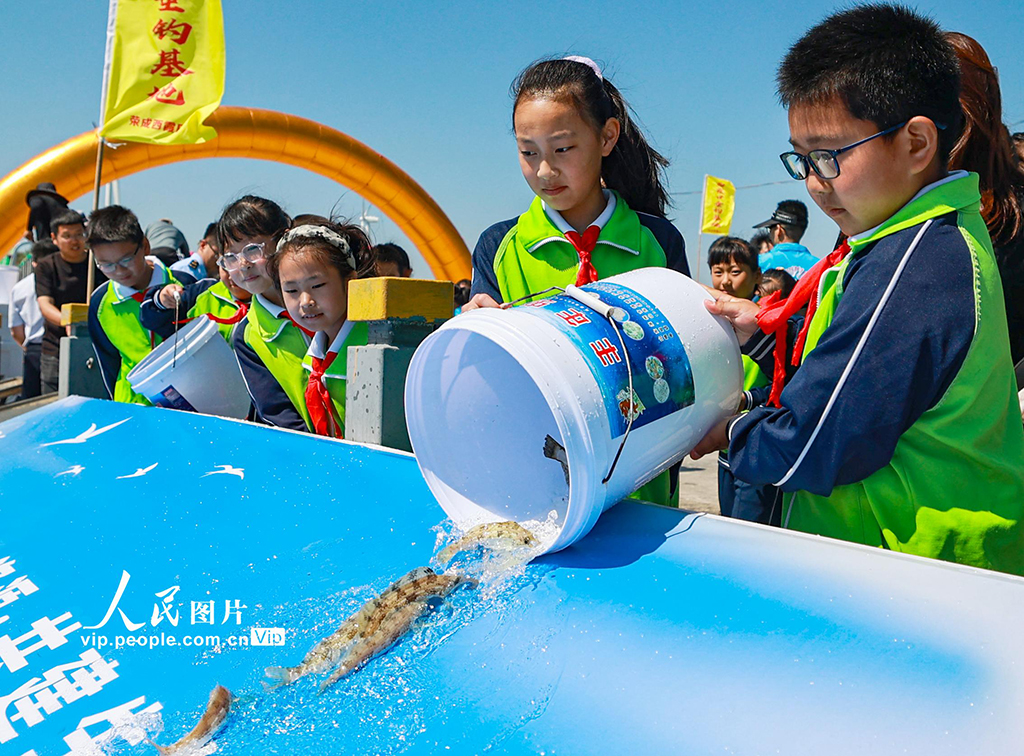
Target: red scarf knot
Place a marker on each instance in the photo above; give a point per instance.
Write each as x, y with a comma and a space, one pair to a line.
775, 314
318, 400
584, 246
243, 309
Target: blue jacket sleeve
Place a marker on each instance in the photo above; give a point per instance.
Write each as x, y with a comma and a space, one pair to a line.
271, 403
107, 355
895, 344
153, 316
670, 239
485, 280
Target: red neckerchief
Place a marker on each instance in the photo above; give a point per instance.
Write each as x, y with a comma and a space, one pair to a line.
318, 400
584, 246
243, 309
289, 318
775, 313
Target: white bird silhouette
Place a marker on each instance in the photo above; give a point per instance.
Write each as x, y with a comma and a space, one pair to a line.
73, 470
227, 470
85, 435
138, 473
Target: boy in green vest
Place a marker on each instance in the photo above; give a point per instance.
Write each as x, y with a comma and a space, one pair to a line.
899, 428
118, 337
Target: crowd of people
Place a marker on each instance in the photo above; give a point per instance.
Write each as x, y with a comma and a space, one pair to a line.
880, 403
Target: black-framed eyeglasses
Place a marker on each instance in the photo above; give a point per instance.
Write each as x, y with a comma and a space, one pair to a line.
824, 162
125, 262
250, 253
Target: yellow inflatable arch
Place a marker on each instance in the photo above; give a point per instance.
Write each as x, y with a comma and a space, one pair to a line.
251, 133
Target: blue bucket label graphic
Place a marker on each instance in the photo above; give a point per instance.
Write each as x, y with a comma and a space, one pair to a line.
174, 400
662, 378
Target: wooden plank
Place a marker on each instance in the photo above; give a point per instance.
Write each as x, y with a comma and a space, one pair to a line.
386, 298
74, 313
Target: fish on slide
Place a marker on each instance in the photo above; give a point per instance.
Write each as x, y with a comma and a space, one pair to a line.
214, 716
504, 534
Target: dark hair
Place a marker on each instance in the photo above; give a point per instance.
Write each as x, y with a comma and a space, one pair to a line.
251, 216
462, 292
323, 251
726, 249
778, 280
984, 145
66, 217
761, 236
112, 225
392, 253
43, 249
883, 61
633, 168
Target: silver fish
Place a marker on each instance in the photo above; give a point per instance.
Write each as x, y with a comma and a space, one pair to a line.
511, 533
214, 716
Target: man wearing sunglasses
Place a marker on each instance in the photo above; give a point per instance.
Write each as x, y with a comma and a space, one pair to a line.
122, 255
787, 226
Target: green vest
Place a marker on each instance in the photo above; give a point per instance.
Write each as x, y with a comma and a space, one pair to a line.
753, 376
216, 301
954, 488
535, 255
280, 345
335, 377
119, 319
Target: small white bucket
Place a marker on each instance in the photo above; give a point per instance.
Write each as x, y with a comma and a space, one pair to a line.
200, 375
486, 390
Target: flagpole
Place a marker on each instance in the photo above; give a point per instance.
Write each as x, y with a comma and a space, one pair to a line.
700, 226
90, 277
90, 280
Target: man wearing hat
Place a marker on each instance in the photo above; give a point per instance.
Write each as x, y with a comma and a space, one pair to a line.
43, 206
787, 226
166, 242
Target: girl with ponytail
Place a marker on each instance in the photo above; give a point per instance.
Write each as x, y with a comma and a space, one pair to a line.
601, 199
600, 204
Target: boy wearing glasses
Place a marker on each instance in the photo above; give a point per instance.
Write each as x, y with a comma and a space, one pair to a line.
60, 280
899, 429
118, 337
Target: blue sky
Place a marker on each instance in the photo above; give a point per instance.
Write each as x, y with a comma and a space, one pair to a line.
426, 84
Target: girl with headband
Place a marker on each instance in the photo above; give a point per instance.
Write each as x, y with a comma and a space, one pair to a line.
312, 266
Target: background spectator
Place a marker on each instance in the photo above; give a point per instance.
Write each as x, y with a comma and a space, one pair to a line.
761, 241
26, 321
166, 242
391, 260
462, 293
61, 280
787, 226
203, 262
985, 147
778, 280
43, 205
1018, 145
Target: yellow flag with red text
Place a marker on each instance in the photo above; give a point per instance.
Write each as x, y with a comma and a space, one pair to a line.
719, 205
163, 71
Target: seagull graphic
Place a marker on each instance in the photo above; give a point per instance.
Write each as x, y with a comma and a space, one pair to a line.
138, 473
85, 435
227, 470
73, 470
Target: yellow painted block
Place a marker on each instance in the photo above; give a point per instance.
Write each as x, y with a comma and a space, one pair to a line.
76, 313
387, 298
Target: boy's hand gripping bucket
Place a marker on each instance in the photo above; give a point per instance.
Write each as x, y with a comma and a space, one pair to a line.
521, 414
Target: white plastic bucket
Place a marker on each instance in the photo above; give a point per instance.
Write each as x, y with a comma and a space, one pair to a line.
9, 276
485, 390
201, 374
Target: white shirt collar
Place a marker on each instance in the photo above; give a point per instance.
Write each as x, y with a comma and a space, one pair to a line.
952, 176
123, 292
562, 225
316, 346
270, 307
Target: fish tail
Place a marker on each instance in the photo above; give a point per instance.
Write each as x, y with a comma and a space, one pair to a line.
447, 553
163, 750
280, 676
551, 447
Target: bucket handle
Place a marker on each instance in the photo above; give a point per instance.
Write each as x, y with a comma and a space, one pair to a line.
609, 313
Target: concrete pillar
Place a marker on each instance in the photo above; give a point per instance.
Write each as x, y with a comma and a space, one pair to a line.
79, 369
400, 313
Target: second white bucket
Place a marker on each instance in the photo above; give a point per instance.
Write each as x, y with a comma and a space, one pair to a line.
200, 374
488, 389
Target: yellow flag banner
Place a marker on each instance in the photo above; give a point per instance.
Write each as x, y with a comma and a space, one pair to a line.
719, 205
163, 71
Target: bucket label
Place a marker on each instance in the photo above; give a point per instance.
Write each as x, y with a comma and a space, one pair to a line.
662, 378
174, 400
